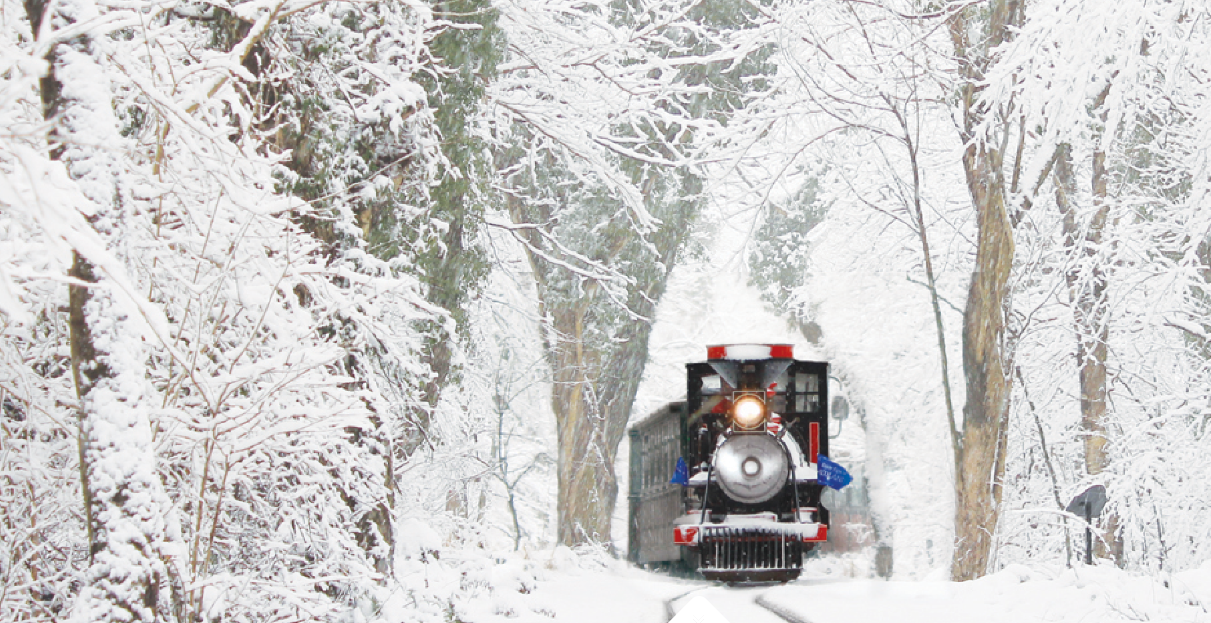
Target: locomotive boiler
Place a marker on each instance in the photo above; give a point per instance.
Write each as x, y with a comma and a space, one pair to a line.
727, 482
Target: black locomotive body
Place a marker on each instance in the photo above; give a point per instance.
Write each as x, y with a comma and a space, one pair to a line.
746, 505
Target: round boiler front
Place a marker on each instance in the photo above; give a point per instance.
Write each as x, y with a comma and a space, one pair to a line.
751, 468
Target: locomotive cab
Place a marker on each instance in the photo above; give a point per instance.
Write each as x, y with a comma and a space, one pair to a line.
752, 429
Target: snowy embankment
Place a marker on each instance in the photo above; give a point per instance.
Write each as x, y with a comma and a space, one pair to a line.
1014, 595
564, 587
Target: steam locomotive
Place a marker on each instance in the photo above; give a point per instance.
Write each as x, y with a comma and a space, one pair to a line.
726, 482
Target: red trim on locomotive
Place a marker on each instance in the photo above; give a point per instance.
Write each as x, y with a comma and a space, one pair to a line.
814, 434
687, 535
781, 351
750, 351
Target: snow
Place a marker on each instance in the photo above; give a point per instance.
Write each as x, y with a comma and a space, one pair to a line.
1017, 594
577, 593
698, 610
582, 588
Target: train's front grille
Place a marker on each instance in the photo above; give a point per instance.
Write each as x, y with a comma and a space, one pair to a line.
749, 548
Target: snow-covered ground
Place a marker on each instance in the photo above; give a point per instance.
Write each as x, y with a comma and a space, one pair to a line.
1016, 594
590, 589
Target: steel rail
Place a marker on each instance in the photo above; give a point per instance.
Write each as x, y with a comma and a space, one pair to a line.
778, 611
668, 603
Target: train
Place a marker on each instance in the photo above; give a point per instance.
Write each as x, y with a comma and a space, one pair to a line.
727, 483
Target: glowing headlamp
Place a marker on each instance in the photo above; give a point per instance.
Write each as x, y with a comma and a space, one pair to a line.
748, 412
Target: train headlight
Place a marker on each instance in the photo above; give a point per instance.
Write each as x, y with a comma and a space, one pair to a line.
748, 412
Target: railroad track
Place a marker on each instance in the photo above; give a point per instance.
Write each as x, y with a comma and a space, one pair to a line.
782, 613
743, 604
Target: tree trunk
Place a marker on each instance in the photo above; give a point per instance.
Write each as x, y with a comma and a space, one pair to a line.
1087, 288
123, 497
592, 397
595, 377
980, 466
1093, 381
980, 459
1087, 282
1092, 311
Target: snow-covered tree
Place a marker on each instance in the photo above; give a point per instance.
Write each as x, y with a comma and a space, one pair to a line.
243, 364
605, 139
1120, 248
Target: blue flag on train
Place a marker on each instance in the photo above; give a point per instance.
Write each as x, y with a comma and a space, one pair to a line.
831, 474
681, 475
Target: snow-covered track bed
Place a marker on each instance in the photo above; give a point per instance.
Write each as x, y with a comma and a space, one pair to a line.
715, 603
